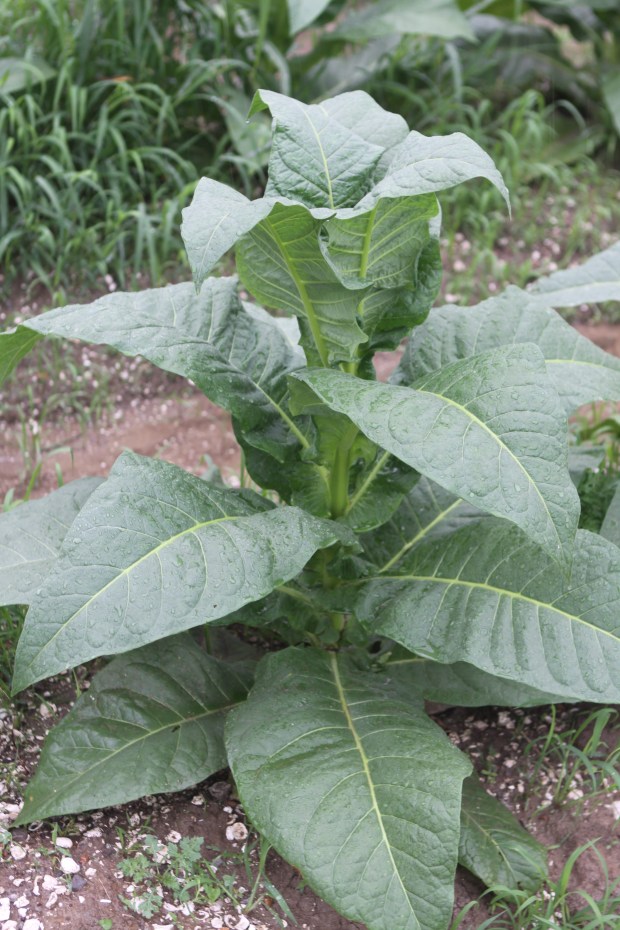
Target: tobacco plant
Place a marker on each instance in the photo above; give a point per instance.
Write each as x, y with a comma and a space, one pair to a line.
412, 540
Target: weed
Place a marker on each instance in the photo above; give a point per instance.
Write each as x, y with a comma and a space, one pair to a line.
554, 907
182, 871
577, 762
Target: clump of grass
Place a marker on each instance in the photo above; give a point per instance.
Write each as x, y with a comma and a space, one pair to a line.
556, 906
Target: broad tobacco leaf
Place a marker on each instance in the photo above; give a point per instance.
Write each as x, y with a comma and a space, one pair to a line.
594, 281
461, 684
579, 370
31, 535
240, 359
156, 551
489, 429
494, 846
152, 721
427, 512
488, 597
354, 785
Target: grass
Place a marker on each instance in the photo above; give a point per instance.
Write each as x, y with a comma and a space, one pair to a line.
576, 761
556, 906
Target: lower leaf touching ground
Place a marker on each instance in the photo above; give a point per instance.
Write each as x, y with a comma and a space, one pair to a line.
156, 551
488, 597
494, 846
151, 721
32, 534
354, 785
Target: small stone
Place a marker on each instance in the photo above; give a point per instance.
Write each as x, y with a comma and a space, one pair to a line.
93, 834
10, 925
51, 901
69, 866
17, 852
217, 922
33, 923
5, 908
198, 800
63, 842
174, 836
77, 883
22, 901
90, 873
44, 710
50, 883
242, 924
220, 790
237, 832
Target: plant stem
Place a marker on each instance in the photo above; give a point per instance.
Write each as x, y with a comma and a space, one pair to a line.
339, 477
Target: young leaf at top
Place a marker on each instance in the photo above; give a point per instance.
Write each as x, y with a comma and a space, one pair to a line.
489, 429
488, 597
494, 846
156, 551
579, 370
325, 155
238, 358
349, 780
152, 721
31, 535
280, 263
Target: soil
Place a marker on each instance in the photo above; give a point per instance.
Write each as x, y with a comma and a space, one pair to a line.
188, 430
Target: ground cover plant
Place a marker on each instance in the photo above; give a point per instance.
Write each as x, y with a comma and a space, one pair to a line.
417, 539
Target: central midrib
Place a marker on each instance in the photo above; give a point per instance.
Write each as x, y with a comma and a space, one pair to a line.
360, 748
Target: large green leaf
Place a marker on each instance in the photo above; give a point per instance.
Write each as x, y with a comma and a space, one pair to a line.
209, 338
156, 551
494, 846
579, 370
281, 264
610, 527
428, 164
353, 784
489, 429
488, 597
31, 535
462, 684
14, 345
382, 246
594, 281
237, 358
152, 721
427, 512
216, 218
410, 17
